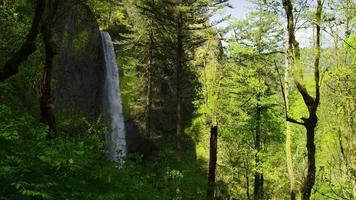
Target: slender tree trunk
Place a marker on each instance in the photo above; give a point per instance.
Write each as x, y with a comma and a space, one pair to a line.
288, 135
311, 122
343, 158
310, 102
110, 14
349, 17
348, 29
212, 161
310, 125
258, 184
149, 88
247, 187
148, 108
179, 66
290, 163
11, 67
46, 103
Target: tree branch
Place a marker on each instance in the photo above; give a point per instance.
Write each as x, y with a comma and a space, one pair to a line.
288, 118
11, 67
292, 120
317, 55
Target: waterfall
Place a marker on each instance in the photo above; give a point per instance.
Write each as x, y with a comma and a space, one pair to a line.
116, 139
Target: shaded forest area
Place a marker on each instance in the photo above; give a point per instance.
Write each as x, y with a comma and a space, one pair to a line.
215, 106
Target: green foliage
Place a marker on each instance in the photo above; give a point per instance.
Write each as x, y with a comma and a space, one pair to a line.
224, 84
15, 21
31, 167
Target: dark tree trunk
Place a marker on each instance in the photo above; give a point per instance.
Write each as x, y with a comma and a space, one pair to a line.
293, 195
149, 89
11, 67
212, 161
258, 183
310, 102
148, 108
46, 103
310, 125
247, 187
179, 60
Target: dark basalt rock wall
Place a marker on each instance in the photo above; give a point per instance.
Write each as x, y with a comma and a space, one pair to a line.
78, 75
78, 72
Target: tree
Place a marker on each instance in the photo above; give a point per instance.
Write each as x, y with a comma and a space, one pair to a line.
180, 36
147, 38
46, 102
11, 67
311, 103
210, 58
263, 39
285, 93
42, 21
188, 21
149, 72
251, 128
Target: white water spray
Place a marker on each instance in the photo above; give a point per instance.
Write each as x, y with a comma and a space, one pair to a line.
116, 140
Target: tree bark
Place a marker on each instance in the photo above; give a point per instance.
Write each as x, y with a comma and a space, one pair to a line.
148, 107
247, 186
349, 17
310, 178
288, 134
290, 163
46, 103
179, 66
11, 67
149, 86
258, 182
311, 103
212, 161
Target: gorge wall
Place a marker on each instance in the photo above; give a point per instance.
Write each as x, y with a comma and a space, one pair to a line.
78, 72
78, 75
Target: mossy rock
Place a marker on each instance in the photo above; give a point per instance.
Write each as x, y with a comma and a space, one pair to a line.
78, 72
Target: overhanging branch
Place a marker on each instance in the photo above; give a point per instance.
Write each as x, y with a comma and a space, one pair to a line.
292, 120
11, 67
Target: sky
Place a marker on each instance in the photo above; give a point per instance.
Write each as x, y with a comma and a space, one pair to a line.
241, 8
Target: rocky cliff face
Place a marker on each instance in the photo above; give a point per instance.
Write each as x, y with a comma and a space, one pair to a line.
78, 73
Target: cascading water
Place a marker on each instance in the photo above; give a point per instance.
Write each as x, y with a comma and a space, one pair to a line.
116, 140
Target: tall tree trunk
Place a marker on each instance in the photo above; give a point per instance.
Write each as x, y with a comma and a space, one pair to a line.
310, 125
258, 184
148, 108
11, 67
212, 161
46, 103
290, 163
310, 102
149, 86
179, 66
348, 29
247, 186
109, 14
349, 17
288, 134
